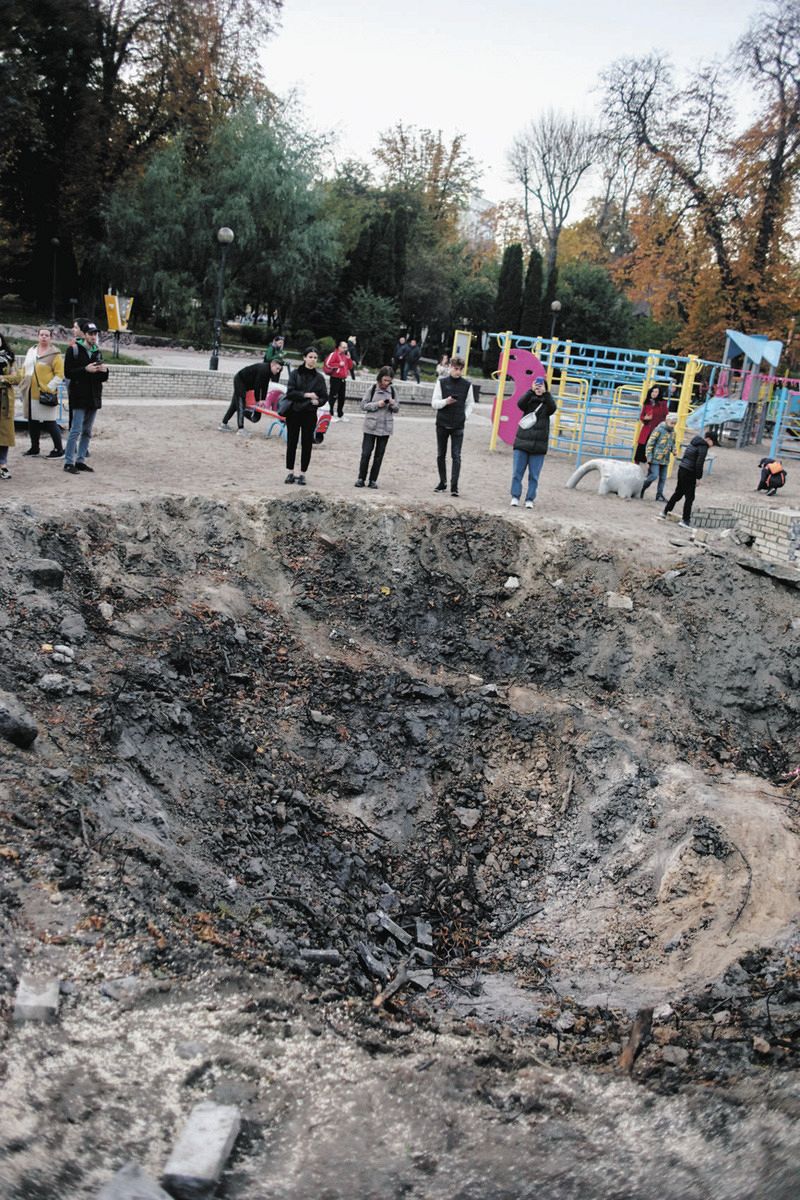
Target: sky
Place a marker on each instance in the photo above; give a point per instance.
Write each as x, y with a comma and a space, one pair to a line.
479, 67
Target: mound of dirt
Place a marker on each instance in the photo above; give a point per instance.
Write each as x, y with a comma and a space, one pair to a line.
389, 834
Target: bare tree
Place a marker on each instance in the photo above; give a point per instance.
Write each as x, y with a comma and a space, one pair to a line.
770, 54
681, 131
549, 158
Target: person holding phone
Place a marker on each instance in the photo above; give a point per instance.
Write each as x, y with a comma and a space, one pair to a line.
86, 373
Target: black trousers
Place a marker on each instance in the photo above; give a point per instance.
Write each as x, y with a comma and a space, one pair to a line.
336, 390
377, 442
300, 428
687, 484
35, 428
237, 403
456, 439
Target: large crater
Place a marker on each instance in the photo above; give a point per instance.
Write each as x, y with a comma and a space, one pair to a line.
285, 742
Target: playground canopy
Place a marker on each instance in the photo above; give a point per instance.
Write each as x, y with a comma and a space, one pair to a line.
754, 346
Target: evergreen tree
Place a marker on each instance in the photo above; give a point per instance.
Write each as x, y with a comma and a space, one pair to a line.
530, 321
508, 304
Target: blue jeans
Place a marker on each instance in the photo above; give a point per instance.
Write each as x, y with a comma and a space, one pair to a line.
533, 464
656, 471
81, 428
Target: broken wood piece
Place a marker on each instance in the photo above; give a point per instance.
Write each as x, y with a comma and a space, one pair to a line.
635, 1044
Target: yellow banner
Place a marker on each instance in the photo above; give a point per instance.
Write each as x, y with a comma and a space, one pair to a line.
118, 312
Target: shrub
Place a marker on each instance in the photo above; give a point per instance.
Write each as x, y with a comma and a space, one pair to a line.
256, 335
303, 338
326, 346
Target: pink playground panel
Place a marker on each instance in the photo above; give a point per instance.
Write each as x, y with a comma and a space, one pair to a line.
523, 368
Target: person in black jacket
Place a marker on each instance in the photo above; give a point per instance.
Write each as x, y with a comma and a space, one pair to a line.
411, 360
530, 444
256, 378
86, 372
306, 391
452, 400
690, 469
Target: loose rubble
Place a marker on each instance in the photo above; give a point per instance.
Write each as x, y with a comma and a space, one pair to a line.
319, 824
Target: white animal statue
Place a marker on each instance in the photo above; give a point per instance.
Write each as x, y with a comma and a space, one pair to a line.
624, 478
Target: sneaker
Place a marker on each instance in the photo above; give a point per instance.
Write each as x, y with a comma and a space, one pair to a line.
30, 454
301, 479
243, 433
223, 428
372, 483
453, 491
56, 454
359, 483
771, 492
514, 503
684, 525
82, 466
440, 487
5, 473
529, 504
70, 468
345, 419
662, 516
336, 418
289, 478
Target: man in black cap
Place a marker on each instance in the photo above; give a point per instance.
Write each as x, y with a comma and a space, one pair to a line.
86, 372
690, 470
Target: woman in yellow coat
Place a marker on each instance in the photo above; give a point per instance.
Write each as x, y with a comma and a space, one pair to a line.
8, 377
44, 371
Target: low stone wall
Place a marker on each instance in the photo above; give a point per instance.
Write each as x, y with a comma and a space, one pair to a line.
714, 518
773, 533
176, 383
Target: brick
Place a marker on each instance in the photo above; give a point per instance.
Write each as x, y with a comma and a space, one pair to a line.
36, 1000
131, 1183
202, 1149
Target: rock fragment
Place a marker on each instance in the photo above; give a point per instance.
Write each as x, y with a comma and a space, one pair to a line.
201, 1151
36, 1000
131, 1183
16, 724
45, 572
616, 600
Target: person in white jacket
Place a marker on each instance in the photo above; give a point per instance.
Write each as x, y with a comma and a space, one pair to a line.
44, 372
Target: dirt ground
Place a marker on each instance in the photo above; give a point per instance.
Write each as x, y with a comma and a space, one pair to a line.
325, 821
142, 450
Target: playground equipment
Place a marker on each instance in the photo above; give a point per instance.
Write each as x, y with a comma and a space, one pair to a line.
600, 391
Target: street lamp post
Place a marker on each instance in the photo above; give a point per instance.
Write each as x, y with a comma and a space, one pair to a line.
555, 309
224, 237
55, 243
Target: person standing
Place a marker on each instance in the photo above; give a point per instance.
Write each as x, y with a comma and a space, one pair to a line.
654, 410
400, 351
660, 449
411, 360
532, 439
452, 401
256, 378
10, 375
44, 371
305, 392
379, 405
86, 373
690, 470
337, 367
